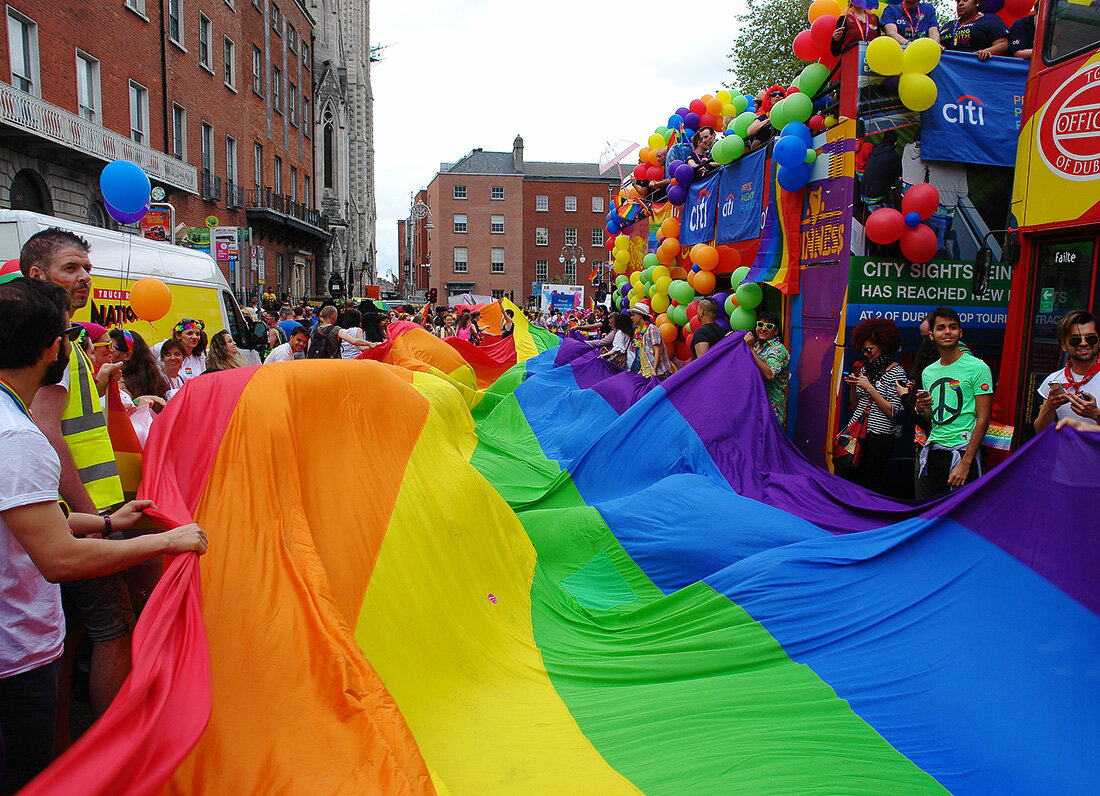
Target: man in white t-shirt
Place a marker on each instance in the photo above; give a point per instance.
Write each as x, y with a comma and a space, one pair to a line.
1072, 391
39, 546
286, 351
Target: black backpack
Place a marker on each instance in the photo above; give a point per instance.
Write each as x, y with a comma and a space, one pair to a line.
324, 343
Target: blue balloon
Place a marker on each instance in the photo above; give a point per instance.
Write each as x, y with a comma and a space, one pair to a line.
751, 100
691, 120
125, 186
793, 179
912, 219
688, 133
789, 151
674, 121
801, 130
126, 218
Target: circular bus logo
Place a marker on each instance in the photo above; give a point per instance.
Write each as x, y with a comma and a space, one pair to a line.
1069, 127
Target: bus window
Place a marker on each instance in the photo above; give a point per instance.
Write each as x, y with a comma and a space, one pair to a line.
1072, 27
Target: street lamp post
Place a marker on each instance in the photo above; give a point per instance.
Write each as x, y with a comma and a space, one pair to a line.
417, 213
570, 253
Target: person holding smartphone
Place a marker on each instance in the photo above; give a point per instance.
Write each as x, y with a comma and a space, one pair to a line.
1071, 392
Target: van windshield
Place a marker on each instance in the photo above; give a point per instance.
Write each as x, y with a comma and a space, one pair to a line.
1072, 27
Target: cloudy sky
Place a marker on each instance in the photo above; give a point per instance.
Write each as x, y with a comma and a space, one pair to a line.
568, 76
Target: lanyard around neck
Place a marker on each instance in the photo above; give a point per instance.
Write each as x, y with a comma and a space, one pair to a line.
8, 390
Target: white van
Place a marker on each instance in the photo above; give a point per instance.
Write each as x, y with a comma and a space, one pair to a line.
118, 260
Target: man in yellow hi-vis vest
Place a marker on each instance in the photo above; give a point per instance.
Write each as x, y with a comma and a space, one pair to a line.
71, 416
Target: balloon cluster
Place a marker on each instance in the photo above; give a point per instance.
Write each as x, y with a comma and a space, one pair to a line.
918, 241
813, 44
126, 191
916, 89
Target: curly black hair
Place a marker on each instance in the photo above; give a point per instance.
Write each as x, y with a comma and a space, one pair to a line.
883, 332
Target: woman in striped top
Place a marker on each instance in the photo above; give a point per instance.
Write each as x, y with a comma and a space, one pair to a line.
874, 386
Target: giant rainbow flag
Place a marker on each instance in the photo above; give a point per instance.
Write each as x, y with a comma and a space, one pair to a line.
441, 572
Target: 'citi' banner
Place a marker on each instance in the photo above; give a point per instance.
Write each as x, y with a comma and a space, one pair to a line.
697, 224
976, 117
741, 199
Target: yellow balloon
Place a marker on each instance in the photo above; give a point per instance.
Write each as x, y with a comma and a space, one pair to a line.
884, 56
620, 268
622, 242
662, 283
659, 302
917, 91
656, 141
920, 56
635, 278
658, 272
725, 96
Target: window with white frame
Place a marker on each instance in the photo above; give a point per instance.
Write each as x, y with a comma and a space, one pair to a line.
597, 204
307, 117
542, 204
229, 59
257, 71
570, 204
278, 174
460, 222
597, 236
461, 262
496, 192
139, 113
542, 236
496, 260
179, 132
231, 160
570, 272
291, 38
204, 40
87, 86
175, 21
459, 192
23, 53
571, 236
307, 192
305, 56
258, 165
293, 184
542, 270
292, 103
136, 5
207, 148
276, 19
496, 225
277, 89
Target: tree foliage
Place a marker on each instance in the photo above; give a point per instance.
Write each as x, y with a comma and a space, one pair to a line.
762, 54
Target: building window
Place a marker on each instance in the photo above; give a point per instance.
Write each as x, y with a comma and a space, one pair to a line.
570, 272
459, 192
570, 236
542, 270
496, 192
498, 294
136, 5
570, 204
542, 236
207, 148
229, 52
257, 71
307, 192
23, 53
461, 264
276, 19
542, 204
597, 204
231, 160
305, 56
293, 184
496, 260
175, 27
496, 225
258, 165
179, 133
460, 223
291, 36
597, 236
204, 41
307, 117
327, 144
139, 113
87, 86
278, 175
292, 103
276, 89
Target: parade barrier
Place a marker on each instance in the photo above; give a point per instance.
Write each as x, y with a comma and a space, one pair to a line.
591, 583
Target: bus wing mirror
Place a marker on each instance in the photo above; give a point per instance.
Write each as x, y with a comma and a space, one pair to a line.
982, 266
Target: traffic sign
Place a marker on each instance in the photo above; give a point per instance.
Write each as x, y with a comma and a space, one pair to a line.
211, 222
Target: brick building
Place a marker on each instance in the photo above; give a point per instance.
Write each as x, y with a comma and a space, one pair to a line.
501, 224
213, 99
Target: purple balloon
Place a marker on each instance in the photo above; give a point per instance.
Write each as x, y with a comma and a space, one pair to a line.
684, 174
126, 218
993, 6
677, 194
721, 299
682, 112
721, 321
691, 121
625, 289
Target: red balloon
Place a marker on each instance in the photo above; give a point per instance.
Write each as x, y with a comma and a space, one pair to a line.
698, 107
919, 244
821, 30
654, 173
804, 47
609, 242
694, 324
885, 225
1018, 8
707, 120
693, 309
922, 199
640, 171
816, 123
683, 352
728, 259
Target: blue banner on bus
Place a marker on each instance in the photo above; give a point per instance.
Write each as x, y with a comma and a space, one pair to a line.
976, 116
697, 225
741, 199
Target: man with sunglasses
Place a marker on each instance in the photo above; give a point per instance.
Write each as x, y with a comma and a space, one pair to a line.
774, 361
1070, 392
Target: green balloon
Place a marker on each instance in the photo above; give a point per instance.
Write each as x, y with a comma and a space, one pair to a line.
813, 77
681, 291
650, 291
742, 319
731, 305
647, 275
742, 122
778, 116
739, 103
749, 295
798, 108
621, 280
735, 146
811, 156
650, 261
739, 274
721, 153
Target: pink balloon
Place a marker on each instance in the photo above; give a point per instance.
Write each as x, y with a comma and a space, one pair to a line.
922, 199
919, 245
885, 225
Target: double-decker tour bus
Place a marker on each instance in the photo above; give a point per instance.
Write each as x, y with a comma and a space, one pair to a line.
1056, 203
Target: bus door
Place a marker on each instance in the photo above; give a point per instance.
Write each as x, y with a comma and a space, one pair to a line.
1063, 279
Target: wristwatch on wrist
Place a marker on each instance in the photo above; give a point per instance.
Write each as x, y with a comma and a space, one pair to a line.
106, 515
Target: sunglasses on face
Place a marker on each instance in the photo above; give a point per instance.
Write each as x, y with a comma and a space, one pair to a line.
868, 350
74, 332
1090, 339
765, 326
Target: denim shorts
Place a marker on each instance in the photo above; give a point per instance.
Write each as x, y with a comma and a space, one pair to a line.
103, 604
28, 713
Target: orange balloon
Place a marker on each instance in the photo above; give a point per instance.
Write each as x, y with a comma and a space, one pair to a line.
698, 247
707, 97
668, 331
643, 155
691, 278
150, 299
653, 158
704, 282
679, 272
661, 320
706, 258
714, 107
663, 256
821, 7
670, 228
670, 246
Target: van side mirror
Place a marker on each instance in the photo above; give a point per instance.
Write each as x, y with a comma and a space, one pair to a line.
983, 263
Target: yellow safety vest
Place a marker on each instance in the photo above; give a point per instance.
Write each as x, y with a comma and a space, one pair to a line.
84, 427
